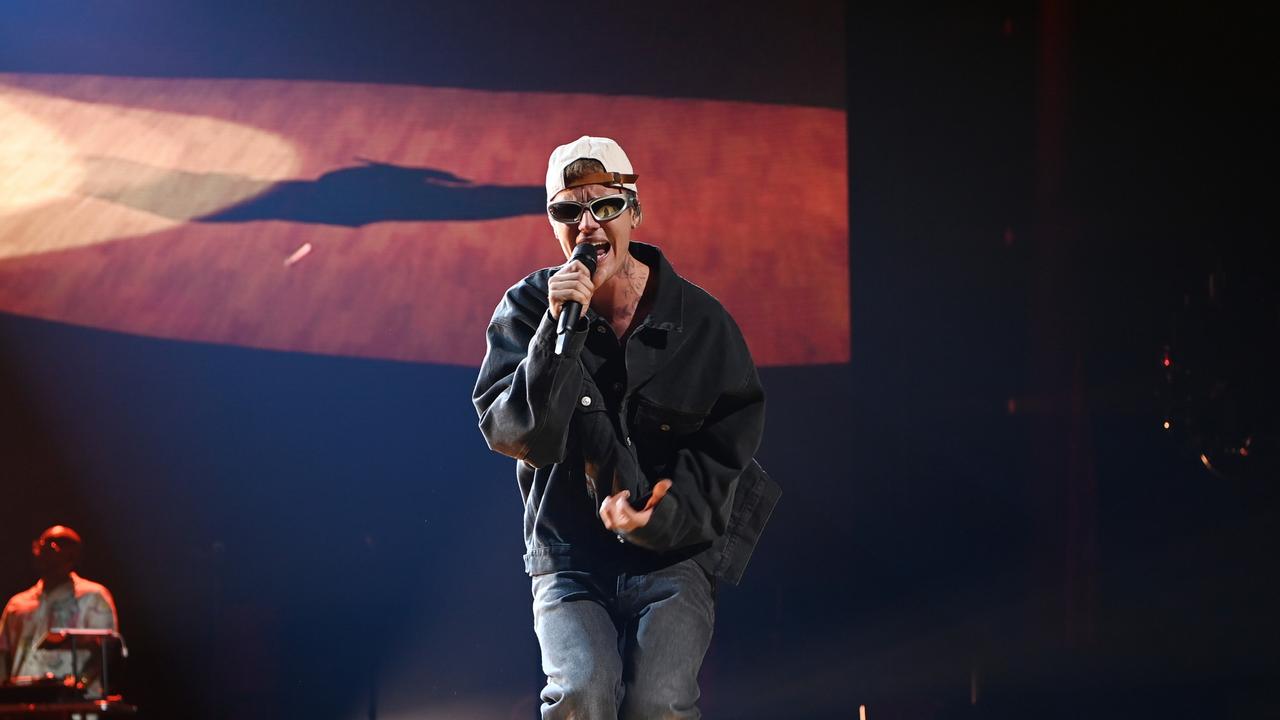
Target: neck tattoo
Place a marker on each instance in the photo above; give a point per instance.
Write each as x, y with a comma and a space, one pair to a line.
635, 274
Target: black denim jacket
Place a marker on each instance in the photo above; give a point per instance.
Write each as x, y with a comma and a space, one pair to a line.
681, 400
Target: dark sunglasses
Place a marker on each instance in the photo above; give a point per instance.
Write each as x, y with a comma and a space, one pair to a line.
603, 209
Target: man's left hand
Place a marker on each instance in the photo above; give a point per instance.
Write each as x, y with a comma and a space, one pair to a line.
617, 514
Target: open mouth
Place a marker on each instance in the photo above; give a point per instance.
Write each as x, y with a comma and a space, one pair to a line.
602, 249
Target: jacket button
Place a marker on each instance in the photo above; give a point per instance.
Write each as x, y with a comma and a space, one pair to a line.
664, 427
628, 441
617, 387
586, 401
600, 329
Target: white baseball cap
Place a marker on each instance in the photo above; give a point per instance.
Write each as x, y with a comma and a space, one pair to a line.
617, 167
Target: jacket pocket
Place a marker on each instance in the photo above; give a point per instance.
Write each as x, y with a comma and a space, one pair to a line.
660, 433
662, 421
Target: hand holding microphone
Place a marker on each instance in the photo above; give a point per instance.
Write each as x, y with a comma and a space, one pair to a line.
569, 291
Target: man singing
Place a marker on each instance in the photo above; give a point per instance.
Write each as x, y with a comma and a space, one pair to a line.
634, 448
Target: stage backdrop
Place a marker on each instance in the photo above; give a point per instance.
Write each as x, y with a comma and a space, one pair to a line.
384, 221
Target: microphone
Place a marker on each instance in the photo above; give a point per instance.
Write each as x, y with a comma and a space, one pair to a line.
571, 311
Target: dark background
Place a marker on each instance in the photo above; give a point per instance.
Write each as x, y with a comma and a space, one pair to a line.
982, 504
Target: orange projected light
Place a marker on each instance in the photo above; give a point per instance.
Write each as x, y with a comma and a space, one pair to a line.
386, 221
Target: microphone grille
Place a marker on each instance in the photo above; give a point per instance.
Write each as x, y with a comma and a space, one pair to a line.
586, 254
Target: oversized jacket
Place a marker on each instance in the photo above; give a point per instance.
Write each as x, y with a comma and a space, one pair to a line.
680, 400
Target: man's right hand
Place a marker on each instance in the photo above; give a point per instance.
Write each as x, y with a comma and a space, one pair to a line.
571, 283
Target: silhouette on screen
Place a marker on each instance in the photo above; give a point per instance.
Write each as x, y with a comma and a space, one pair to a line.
354, 196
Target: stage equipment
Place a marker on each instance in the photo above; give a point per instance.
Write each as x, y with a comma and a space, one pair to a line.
70, 696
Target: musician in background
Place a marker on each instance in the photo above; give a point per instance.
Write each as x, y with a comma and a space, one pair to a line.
59, 599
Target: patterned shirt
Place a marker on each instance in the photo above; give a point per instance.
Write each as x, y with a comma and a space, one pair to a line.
31, 614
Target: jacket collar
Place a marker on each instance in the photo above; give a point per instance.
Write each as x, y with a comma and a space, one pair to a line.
667, 312
661, 333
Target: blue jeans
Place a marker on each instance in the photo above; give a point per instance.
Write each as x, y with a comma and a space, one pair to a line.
623, 646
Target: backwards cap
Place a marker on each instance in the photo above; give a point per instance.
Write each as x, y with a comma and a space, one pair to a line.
617, 167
